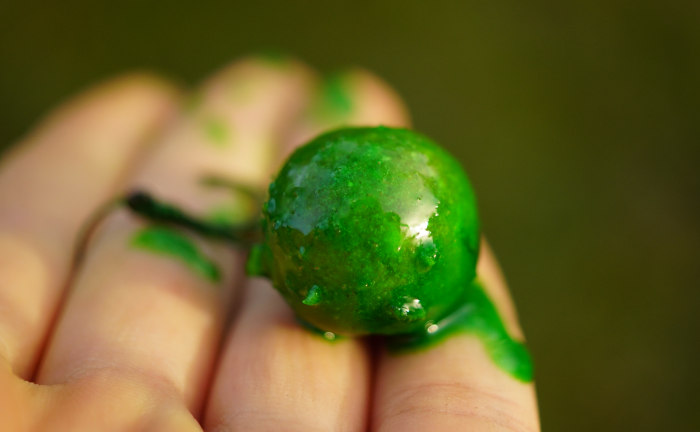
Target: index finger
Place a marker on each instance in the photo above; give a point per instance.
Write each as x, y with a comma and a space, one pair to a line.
50, 184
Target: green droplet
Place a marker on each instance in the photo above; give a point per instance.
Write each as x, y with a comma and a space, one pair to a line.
326, 335
409, 309
313, 297
166, 241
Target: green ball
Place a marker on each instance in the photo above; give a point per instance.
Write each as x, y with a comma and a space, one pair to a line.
370, 230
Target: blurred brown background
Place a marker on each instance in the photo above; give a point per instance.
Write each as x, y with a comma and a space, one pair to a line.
578, 122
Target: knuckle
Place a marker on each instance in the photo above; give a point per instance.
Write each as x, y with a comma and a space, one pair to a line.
119, 380
417, 407
265, 420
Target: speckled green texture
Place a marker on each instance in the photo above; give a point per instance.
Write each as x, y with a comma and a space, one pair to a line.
370, 230
476, 315
167, 241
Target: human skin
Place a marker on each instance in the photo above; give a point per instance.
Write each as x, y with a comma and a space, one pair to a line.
132, 340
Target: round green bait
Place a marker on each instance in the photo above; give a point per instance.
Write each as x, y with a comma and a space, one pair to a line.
370, 230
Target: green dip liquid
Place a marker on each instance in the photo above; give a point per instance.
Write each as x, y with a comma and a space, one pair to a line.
477, 315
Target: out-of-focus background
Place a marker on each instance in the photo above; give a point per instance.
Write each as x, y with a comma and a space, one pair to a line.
578, 122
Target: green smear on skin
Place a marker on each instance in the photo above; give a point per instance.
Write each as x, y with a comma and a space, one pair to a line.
165, 241
334, 101
231, 213
477, 316
217, 131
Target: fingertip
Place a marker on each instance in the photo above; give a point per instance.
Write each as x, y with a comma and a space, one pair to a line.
242, 79
140, 81
145, 86
349, 97
382, 103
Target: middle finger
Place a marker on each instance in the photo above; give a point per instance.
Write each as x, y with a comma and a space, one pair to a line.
275, 374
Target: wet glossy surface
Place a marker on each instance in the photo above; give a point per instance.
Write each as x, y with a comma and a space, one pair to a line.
370, 230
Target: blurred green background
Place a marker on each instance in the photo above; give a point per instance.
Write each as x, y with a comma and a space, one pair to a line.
578, 122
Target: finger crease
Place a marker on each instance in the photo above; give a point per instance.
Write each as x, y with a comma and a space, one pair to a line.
453, 400
89, 374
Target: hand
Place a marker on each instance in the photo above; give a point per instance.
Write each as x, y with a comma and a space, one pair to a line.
132, 340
